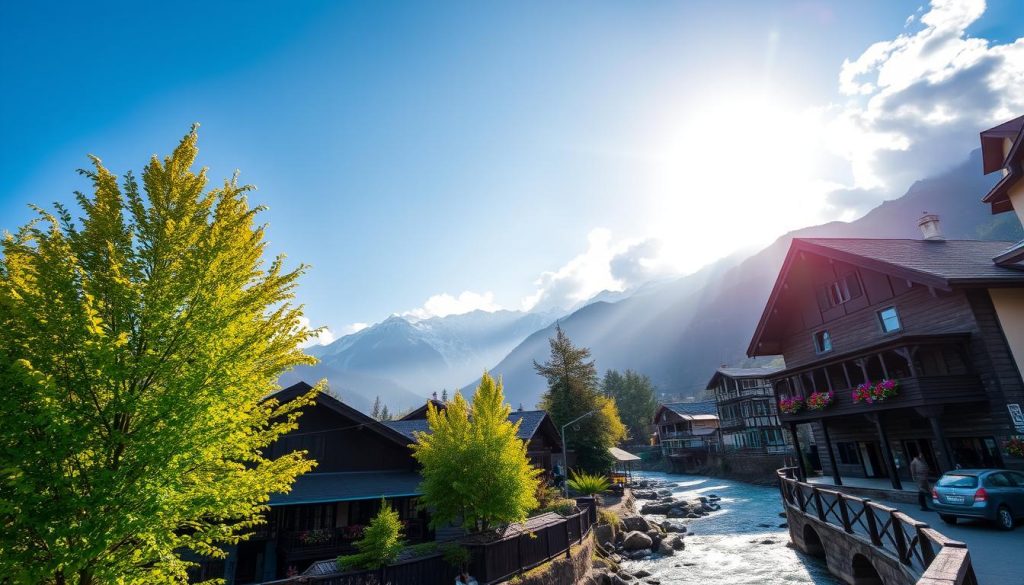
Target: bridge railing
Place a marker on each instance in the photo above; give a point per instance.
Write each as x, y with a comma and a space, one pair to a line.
929, 554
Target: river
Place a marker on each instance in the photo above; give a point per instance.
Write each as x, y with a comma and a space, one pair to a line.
727, 546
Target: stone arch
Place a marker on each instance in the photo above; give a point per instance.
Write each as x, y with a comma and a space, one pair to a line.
864, 572
812, 542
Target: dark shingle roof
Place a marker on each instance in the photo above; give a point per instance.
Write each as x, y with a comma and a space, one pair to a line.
311, 488
691, 408
527, 429
748, 372
945, 263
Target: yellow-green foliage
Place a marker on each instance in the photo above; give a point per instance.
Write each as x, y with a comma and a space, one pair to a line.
381, 541
586, 483
563, 506
474, 466
605, 516
136, 348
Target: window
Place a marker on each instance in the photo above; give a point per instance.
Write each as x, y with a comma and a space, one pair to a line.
847, 453
822, 341
839, 292
889, 319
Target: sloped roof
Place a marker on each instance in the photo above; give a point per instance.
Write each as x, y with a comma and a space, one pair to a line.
740, 373
688, 410
326, 400
621, 455
532, 420
421, 412
937, 264
313, 488
992, 143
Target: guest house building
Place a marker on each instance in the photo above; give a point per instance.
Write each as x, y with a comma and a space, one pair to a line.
687, 433
906, 346
747, 414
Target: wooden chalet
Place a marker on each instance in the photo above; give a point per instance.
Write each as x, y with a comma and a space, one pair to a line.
941, 320
360, 461
687, 433
747, 412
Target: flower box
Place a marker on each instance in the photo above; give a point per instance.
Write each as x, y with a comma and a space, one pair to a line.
820, 400
871, 393
791, 405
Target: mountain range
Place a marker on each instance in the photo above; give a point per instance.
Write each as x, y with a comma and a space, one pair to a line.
676, 331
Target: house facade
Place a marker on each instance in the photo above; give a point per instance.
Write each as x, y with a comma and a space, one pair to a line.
687, 433
747, 412
909, 347
359, 462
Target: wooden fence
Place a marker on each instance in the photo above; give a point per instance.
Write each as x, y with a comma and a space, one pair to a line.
493, 557
931, 556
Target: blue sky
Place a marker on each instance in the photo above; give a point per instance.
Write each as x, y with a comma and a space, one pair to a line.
515, 154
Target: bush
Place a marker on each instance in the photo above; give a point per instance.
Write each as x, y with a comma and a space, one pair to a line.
588, 484
455, 555
563, 506
607, 517
381, 542
546, 494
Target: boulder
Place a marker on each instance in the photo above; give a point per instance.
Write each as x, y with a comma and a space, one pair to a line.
641, 574
656, 508
669, 526
640, 554
675, 541
619, 580
655, 535
636, 523
604, 533
636, 540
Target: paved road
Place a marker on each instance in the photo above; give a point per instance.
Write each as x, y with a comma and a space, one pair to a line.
997, 556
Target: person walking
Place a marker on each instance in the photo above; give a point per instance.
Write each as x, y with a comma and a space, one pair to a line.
919, 472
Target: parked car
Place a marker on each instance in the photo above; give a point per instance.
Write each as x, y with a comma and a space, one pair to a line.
992, 494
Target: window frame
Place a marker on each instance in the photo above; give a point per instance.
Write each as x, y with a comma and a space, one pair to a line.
819, 348
881, 320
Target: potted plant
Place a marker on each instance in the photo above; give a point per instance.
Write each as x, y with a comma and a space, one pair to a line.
820, 400
791, 405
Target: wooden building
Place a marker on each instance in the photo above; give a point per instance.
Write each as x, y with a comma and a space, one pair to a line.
747, 413
360, 461
687, 433
919, 342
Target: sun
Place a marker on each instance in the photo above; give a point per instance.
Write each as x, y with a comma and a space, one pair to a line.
737, 173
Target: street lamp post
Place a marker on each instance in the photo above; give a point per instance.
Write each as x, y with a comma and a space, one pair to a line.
565, 460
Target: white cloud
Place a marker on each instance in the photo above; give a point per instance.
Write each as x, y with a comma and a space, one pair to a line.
917, 102
352, 328
444, 304
324, 337
605, 265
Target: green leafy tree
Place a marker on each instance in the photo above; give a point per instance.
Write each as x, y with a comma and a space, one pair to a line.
381, 541
634, 395
475, 467
137, 348
573, 391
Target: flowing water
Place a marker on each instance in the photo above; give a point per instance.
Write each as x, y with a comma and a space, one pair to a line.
729, 546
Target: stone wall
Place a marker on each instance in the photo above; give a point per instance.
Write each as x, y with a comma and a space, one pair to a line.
562, 571
748, 467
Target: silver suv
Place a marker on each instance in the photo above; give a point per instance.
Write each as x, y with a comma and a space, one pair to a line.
992, 494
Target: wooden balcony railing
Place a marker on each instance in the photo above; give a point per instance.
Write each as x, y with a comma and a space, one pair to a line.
913, 392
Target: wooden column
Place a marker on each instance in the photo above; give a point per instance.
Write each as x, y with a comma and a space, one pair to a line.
933, 414
799, 454
831, 453
883, 438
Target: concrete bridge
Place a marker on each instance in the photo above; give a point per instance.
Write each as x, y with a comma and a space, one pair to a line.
865, 543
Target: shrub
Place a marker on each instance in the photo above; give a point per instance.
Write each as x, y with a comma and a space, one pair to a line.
381, 542
455, 555
563, 506
607, 517
588, 484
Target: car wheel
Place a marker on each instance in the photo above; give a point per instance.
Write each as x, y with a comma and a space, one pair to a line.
948, 519
1004, 518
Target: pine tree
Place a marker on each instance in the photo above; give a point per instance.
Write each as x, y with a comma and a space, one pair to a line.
634, 394
137, 349
572, 392
444, 395
474, 465
375, 413
384, 414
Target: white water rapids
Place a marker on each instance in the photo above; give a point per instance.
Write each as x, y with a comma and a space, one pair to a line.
729, 546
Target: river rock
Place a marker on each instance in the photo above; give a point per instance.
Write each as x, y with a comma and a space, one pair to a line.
640, 554
636, 523
641, 574
604, 532
656, 508
655, 535
669, 526
665, 549
635, 541
675, 541
618, 580
645, 495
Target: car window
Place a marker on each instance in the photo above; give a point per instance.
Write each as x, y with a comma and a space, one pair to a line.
955, 480
1017, 478
997, 480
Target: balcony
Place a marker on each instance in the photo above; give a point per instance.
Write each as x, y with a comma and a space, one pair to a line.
913, 392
